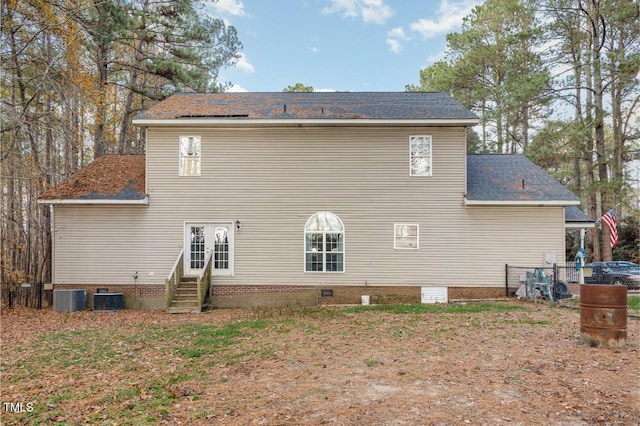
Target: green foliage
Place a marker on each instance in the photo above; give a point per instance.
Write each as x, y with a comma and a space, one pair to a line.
493, 68
438, 77
474, 143
628, 247
555, 148
187, 49
298, 87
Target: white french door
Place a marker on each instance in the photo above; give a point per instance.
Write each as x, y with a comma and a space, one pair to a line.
204, 238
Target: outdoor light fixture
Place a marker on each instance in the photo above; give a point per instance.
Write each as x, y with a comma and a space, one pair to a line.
238, 225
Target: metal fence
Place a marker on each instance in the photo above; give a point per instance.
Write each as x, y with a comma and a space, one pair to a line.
569, 273
29, 295
533, 282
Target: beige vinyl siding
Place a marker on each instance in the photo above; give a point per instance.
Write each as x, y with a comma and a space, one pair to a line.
105, 245
274, 179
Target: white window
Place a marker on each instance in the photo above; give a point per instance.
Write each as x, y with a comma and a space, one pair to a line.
420, 148
406, 236
189, 155
324, 243
221, 248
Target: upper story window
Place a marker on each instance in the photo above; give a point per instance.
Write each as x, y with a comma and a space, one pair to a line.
189, 155
420, 147
324, 243
406, 236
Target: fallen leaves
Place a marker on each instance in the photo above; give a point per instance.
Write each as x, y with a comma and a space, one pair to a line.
108, 175
521, 367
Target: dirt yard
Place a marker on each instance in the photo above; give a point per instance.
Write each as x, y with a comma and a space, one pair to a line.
512, 363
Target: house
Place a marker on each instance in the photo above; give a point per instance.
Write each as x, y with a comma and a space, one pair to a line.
304, 198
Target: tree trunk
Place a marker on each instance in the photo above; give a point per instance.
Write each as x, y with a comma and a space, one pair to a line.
596, 33
99, 133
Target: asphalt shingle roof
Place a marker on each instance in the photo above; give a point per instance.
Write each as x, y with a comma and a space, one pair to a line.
511, 177
573, 214
309, 105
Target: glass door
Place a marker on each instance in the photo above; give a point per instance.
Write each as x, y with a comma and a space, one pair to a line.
204, 238
222, 250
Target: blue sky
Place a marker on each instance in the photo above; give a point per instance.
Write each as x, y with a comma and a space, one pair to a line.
347, 45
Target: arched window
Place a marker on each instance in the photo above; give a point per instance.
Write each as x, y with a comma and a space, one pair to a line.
324, 243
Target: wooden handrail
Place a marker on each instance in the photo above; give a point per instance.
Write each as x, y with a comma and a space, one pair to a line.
205, 275
175, 265
172, 281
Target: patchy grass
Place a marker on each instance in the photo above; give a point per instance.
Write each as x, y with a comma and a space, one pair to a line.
438, 308
633, 304
314, 365
528, 321
372, 362
314, 312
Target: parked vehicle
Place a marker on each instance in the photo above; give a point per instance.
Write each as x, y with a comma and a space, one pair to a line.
617, 273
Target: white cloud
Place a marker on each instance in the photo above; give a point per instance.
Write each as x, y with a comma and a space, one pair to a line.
448, 18
347, 7
394, 45
236, 88
243, 64
376, 11
432, 59
227, 7
312, 49
395, 37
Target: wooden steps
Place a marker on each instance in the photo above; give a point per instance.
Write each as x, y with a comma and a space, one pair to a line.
185, 299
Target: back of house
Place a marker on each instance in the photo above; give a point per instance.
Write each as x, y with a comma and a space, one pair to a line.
304, 198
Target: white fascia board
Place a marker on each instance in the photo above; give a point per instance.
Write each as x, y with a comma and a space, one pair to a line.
526, 203
224, 122
579, 225
142, 202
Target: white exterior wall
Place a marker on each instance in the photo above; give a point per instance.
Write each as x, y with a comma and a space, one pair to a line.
274, 179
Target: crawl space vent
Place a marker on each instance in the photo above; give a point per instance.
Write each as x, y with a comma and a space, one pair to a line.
434, 295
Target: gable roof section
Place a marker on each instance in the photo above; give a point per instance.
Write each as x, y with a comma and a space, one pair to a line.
111, 179
512, 179
316, 108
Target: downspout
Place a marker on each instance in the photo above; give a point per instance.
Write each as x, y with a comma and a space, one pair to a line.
506, 279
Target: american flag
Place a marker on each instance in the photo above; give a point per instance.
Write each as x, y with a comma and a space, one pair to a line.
609, 219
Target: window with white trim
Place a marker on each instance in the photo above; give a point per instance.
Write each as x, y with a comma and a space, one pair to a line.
197, 249
324, 243
420, 152
406, 236
221, 248
189, 155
